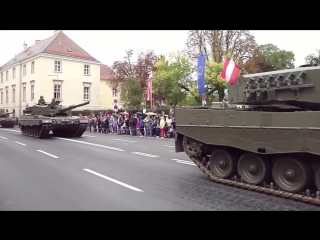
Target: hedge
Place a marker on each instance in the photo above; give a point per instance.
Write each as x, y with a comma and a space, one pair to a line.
87, 112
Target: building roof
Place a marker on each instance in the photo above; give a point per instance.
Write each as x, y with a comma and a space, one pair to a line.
106, 72
59, 44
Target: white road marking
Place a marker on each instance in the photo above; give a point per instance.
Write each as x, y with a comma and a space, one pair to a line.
183, 162
3, 137
48, 154
9, 130
145, 154
20, 143
88, 136
114, 180
168, 146
92, 144
123, 140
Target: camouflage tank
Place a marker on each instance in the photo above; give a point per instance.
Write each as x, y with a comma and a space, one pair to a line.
271, 145
39, 120
6, 121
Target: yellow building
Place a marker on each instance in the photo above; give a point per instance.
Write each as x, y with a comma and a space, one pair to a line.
108, 94
55, 67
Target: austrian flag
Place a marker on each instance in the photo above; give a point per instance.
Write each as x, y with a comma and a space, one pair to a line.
230, 71
149, 87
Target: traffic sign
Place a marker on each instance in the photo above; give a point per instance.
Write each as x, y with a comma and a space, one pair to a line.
115, 101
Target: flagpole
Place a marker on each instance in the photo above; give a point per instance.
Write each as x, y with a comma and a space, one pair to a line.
151, 102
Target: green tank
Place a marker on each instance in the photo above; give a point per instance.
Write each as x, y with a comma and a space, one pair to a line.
271, 144
6, 121
39, 120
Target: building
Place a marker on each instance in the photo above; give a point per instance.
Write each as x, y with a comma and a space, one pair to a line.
54, 68
107, 93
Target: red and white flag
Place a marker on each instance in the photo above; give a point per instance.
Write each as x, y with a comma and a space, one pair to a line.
230, 71
149, 87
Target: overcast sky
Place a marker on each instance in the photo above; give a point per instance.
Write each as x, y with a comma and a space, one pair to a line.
109, 46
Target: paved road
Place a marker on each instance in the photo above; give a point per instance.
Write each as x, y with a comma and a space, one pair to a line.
113, 172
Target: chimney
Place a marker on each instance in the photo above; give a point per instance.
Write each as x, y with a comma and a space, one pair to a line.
37, 41
24, 46
56, 31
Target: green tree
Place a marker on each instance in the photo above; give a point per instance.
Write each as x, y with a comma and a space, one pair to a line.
214, 83
170, 73
268, 58
280, 59
129, 72
131, 93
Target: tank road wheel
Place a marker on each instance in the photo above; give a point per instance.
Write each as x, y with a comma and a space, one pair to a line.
317, 178
253, 168
191, 147
291, 175
223, 164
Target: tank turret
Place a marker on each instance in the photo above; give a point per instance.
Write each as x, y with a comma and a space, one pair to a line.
52, 110
299, 87
5, 114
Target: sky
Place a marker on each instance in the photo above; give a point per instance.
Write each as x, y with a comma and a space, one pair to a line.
110, 46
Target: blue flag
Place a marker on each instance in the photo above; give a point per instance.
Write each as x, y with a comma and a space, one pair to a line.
201, 68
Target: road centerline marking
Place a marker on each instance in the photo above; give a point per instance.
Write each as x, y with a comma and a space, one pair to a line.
3, 137
113, 180
92, 144
47, 154
20, 143
145, 154
123, 140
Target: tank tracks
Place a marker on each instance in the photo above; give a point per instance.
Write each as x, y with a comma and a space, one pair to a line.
267, 188
36, 131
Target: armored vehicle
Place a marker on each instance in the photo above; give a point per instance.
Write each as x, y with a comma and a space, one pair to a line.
272, 145
39, 120
6, 121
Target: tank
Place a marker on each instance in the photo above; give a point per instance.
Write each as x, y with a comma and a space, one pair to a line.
39, 120
266, 138
6, 121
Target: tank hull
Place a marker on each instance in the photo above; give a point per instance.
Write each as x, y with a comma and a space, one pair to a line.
273, 141
40, 126
7, 122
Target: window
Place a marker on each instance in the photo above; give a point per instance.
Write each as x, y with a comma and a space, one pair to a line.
114, 92
7, 75
13, 73
1, 97
86, 70
1, 77
57, 66
32, 68
57, 92
24, 70
24, 93
7, 96
32, 92
13, 95
86, 95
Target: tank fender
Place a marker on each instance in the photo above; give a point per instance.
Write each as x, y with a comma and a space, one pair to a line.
178, 143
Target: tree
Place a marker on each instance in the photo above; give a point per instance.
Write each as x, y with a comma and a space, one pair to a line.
214, 82
216, 44
258, 63
169, 74
127, 73
279, 58
131, 93
268, 58
312, 56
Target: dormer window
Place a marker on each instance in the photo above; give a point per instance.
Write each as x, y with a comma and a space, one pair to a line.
69, 50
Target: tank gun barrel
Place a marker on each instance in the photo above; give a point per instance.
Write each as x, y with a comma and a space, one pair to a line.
62, 110
7, 113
